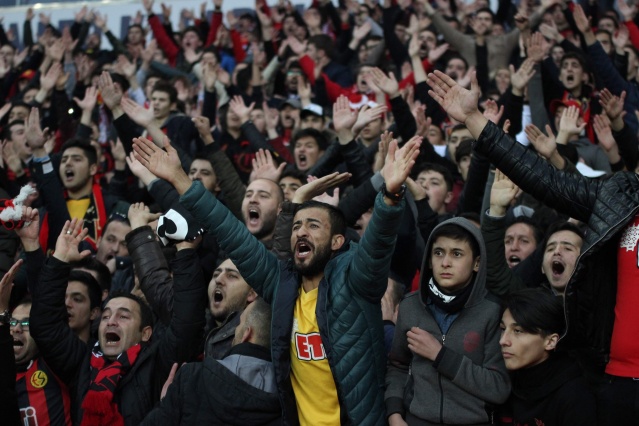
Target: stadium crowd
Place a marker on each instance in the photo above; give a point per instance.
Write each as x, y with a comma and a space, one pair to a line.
404, 213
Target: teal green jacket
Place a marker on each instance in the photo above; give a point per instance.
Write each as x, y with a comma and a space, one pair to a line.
348, 306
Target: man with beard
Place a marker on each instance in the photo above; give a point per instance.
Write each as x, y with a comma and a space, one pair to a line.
249, 392
260, 207
228, 295
327, 337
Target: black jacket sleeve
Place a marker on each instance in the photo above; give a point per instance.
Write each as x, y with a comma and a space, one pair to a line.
61, 348
152, 271
8, 397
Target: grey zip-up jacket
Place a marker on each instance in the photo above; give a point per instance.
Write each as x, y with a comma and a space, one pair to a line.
468, 376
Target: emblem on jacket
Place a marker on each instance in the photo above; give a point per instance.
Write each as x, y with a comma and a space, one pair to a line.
629, 239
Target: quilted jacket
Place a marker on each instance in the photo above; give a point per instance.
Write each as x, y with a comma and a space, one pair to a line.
604, 205
348, 305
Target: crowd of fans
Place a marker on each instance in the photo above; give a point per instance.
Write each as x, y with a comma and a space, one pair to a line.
405, 212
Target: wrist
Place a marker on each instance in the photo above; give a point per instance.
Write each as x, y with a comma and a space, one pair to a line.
344, 136
30, 245
496, 211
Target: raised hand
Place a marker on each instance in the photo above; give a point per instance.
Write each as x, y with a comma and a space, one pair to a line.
148, 5
164, 163
387, 83
209, 76
502, 194
139, 215
29, 233
581, 20
48, 80
140, 115
435, 53
382, 150
240, 109
139, 170
612, 105
325, 198
126, 67
551, 32
36, 137
359, 33
264, 167
569, 119
492, 111
101, 21
418, 191
367, 115
628, 12
343, 116
203, 126
117, 151
544, 145
89, 100
399, 163
66, 246
111, 95
458, 102
317, 187
601, 125
520, 79
620, 38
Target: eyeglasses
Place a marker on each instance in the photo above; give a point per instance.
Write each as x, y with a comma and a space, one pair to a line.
24, 323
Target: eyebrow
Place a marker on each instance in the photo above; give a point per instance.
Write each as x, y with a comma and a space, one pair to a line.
118, 310
227, 270
310, 219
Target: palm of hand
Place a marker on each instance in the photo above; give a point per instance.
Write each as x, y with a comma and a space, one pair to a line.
460, 102
502, 193
345, 120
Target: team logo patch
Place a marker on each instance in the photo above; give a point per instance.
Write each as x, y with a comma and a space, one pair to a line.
39, 379
471, 341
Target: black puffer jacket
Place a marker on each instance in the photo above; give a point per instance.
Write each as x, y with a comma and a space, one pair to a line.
605, 205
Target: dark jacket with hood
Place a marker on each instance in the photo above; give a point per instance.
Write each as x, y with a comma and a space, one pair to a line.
468, 376
348, 309
606, 206
237, 390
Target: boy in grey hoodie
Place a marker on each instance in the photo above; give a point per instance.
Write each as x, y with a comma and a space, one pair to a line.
445, 365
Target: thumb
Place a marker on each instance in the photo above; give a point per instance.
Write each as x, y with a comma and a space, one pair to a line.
281, 167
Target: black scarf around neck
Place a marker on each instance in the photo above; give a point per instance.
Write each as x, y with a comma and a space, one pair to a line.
450, 303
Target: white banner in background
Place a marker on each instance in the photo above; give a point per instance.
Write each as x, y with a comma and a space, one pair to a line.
119, 14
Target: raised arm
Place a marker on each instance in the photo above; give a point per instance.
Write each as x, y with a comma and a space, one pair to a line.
257, 265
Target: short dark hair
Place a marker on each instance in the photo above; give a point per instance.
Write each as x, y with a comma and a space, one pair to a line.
318, 136
563, 226
602, 31
145, 311
115, 217
6, 134
574, 55
192, 29
93, 264
93, 288
163, 86
295, 174
442, 170
322, 42
464, 149
335, 215
537, 311
259, 319
85, 146
485, 10
457, 233
537, 232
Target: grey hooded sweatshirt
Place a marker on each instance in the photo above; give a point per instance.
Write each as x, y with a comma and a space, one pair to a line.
468, 376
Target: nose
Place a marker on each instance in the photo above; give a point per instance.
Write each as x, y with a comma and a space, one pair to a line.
504, 340
301, 232
514, 246
67, 301
446, 260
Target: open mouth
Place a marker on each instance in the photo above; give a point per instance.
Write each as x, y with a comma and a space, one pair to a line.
69, 174
301, 159
218, 296
112, 338
514, 260
303, 249
253, 216
17, 343
558, 268
570, 78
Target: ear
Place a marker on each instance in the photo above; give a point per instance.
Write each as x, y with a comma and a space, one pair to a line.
146, 333
248, 333
476, 264
337, 241
449, 197
551, 342
93, 169
251, 296
95, 312
105, 294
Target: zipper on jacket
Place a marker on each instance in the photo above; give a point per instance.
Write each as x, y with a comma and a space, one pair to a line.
441, 389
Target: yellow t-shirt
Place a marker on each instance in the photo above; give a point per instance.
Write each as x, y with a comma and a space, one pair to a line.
78, 208
312, 379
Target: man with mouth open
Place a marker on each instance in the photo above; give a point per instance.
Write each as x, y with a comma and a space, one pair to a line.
118, 380
327, 332
260, 207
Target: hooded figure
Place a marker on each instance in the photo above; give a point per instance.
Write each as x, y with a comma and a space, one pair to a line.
445, 365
